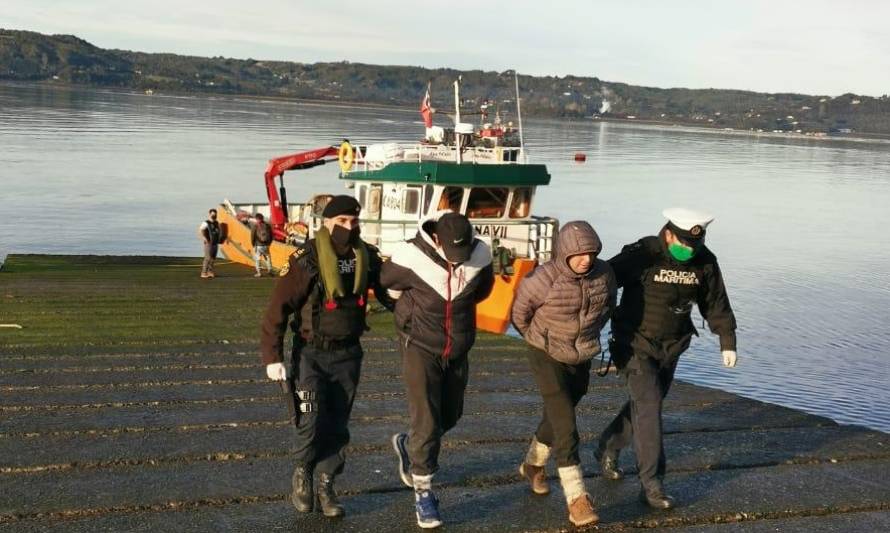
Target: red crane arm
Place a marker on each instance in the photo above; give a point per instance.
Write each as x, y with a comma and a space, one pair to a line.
278, 166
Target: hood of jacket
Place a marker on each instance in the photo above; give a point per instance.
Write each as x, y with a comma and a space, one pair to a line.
575, 237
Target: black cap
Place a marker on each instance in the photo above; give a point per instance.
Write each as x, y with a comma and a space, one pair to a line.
455, 234
341, 205
693, 235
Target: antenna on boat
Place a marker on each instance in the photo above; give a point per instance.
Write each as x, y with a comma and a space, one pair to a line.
519, 117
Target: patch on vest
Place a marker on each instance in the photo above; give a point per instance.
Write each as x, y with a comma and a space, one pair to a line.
679, 277
294, 256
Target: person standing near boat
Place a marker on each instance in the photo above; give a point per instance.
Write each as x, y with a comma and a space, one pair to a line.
324, 286
663, 277
441, 274
261, 239
560, 309
212, 233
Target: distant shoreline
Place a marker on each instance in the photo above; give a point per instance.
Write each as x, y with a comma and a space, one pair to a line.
877, 139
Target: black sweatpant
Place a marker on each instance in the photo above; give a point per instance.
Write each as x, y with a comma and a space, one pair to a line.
435, 402
331, 378
639, 421
562, 386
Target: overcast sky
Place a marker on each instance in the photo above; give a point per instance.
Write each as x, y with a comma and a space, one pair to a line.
814, 47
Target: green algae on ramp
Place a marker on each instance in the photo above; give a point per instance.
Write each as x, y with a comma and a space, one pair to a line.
78, 302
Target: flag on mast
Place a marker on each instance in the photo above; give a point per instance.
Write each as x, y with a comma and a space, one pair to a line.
426, 111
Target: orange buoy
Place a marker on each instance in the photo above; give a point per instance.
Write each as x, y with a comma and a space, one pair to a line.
580, 157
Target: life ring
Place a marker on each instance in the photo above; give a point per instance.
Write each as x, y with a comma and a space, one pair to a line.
346, 156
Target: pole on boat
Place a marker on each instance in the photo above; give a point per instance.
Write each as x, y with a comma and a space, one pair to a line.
457, 136
519, 117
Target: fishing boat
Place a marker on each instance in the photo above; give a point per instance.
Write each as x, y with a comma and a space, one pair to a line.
482, 172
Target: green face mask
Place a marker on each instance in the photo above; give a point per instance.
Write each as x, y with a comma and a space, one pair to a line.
680, 252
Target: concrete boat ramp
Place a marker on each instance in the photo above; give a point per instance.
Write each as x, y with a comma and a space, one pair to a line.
180, 432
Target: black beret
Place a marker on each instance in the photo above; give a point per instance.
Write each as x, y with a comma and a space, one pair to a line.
341, 205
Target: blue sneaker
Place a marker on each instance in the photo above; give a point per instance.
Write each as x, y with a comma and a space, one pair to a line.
400, 445
426, 507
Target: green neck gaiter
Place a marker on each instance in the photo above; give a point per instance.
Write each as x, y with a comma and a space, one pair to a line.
680, 252
327, 267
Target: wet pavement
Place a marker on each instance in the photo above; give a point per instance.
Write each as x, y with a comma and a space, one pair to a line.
193, 437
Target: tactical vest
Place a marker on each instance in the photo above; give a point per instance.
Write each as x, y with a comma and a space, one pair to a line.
659, 307
214, 231
342, 320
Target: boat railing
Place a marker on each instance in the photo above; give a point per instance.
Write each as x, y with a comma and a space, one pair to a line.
537, 242
378, 156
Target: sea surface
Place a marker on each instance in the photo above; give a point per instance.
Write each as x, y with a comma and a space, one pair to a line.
801, 226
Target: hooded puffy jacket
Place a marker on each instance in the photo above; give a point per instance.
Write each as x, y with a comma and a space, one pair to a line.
436, 309
560, 311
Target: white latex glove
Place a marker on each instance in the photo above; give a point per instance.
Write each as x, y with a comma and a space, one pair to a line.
276, 371
729, 358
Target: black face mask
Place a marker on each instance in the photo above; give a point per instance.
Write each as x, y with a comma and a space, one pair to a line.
343, 239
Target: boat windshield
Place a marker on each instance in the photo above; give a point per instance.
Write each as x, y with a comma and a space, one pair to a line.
487, 202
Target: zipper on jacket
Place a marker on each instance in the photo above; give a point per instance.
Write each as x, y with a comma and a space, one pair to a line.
447, 351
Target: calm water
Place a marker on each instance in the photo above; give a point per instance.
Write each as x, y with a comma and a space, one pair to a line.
801, 229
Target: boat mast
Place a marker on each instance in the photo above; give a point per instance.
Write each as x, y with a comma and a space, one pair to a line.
457, 138
519, 117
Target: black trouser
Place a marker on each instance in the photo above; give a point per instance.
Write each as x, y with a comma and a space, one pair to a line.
327, 379
435, 402
562, 386
639, 421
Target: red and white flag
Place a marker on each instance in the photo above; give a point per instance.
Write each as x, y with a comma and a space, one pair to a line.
426, 110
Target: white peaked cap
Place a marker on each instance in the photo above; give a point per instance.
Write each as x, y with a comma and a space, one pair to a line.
686, 219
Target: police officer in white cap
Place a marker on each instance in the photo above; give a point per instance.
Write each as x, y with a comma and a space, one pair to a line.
663, 277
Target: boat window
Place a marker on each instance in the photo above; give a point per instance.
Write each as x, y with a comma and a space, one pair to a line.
428, 191
410, 200
519, 207
487, 202
374, 200
451, 199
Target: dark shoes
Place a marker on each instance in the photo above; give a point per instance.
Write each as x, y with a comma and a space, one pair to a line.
655, 498
609, 465
303, 497
327, 498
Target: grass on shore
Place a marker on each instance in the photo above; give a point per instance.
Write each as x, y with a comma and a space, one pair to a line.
83, 301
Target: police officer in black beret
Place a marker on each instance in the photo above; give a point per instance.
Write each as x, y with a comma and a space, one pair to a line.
325, 287
663, 277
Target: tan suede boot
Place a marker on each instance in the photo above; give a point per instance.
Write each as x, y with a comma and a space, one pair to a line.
532, 468
578, 500
537, 478
581, 511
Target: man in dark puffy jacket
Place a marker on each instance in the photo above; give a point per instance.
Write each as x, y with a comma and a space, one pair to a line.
663, 277
560, 308
442, 274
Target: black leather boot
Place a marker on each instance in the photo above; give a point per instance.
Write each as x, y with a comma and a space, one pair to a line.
609, 465
327, 498
655, 497
302, 496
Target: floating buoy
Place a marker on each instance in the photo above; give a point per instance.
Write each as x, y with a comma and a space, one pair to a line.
580, 157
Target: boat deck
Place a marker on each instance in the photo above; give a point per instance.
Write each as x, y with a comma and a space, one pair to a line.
149, 413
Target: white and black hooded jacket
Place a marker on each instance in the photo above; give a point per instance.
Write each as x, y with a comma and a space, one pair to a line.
436, 310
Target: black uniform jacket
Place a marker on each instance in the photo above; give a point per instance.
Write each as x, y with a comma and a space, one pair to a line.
293, 295
659, 293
